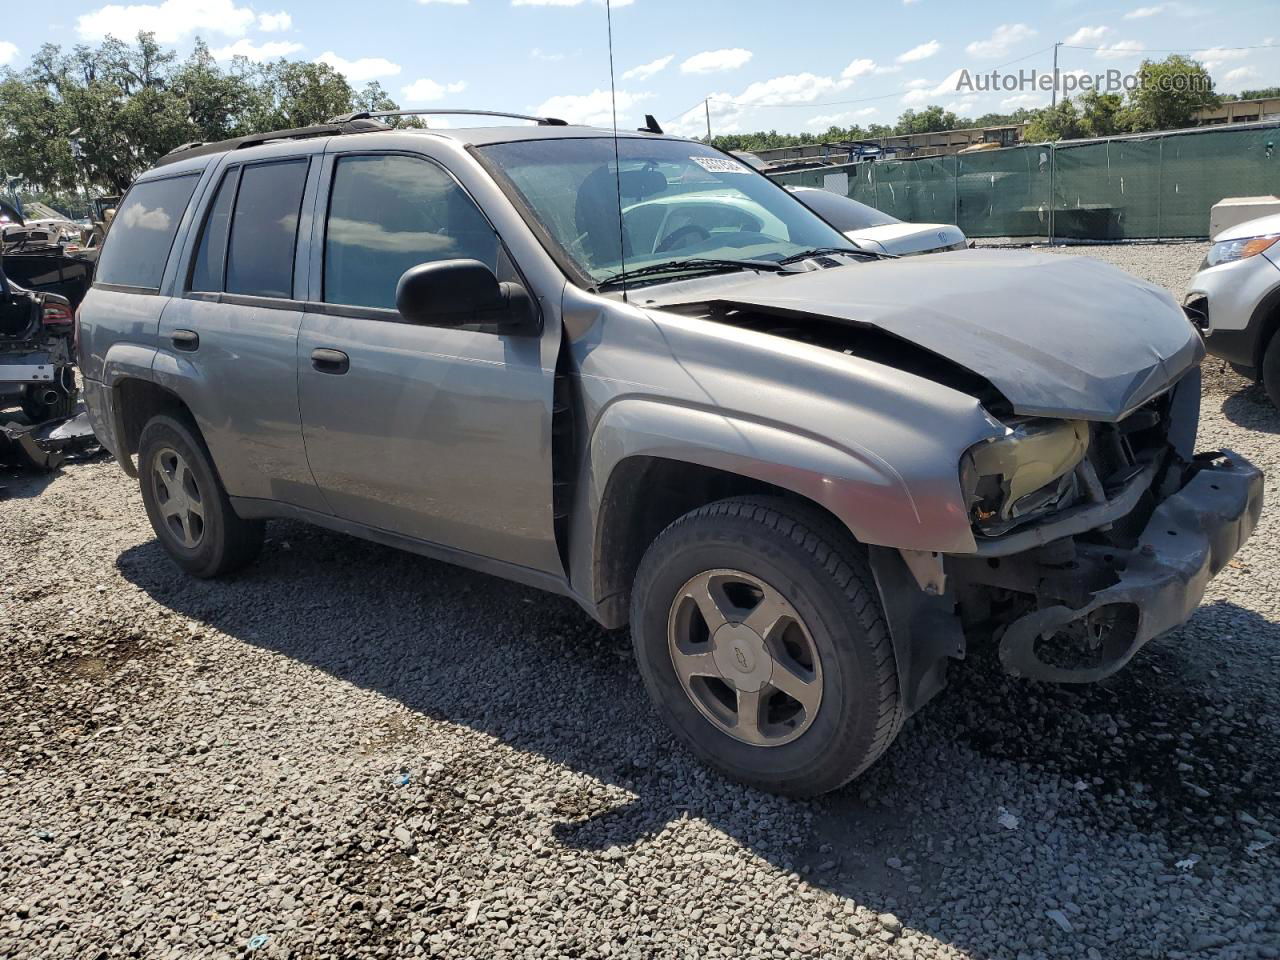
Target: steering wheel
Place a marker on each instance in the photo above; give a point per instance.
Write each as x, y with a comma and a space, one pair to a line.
677, 238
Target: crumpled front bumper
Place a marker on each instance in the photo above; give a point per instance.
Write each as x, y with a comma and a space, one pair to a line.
1189, 538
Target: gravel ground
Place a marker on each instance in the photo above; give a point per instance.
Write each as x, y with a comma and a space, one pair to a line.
349, 751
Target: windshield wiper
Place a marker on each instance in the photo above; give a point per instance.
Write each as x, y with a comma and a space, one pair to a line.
695, 265
821, 251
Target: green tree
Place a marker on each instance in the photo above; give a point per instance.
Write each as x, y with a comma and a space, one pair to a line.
1060, 122
1169, 92
295, 94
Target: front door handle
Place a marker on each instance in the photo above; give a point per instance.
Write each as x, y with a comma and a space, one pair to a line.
330, 361
185, 339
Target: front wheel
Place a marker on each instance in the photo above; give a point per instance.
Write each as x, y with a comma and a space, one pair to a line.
1271, 369
760, 638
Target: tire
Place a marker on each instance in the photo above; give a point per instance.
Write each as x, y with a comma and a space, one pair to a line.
832, 633
188, 506
1271, 369
37, 411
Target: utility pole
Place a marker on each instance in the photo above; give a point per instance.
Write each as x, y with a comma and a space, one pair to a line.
706, 105
1054, 103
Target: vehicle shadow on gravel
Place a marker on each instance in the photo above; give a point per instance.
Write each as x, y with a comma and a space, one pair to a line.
1251, 408
916, 832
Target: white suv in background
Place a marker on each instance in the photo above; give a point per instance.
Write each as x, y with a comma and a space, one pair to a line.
1235, 300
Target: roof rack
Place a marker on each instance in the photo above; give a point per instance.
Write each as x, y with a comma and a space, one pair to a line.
370, 114
198, 148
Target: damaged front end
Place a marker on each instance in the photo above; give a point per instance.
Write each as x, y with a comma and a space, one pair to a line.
1094, 538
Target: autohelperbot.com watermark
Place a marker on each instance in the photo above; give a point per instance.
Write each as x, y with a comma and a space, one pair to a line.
1069, 82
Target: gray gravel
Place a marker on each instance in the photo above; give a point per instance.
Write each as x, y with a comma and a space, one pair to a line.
349, 751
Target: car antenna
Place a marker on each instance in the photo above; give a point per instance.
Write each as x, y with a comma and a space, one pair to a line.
617, 161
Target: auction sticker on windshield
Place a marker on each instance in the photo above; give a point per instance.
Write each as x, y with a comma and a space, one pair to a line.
720, 165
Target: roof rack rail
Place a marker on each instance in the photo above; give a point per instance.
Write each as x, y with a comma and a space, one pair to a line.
332, 128
372, 114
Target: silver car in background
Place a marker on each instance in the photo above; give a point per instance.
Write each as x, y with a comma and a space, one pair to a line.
631, 370
875, 230
1235, 300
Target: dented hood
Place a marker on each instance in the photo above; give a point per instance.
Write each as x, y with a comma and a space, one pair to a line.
1058, 336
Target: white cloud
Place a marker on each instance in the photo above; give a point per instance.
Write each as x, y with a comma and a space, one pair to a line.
257, 52
825, 120
551, 3
362, 70
1242, 75
593, 109
452, 3
919, 83
274, 22
1024, 100
537, 53
714, 61
1086, 36
1214, 57
922, 52
1118, 51
8, 52
792, 88
1001, 41
426, 90
922, 91
170, 21
1142, 12
857, 69
647, 70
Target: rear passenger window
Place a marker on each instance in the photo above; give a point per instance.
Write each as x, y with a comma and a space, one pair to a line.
211, 258
264, 229
390, 213
142, 232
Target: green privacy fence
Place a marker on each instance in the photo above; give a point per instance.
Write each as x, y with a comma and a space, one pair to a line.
1124, 188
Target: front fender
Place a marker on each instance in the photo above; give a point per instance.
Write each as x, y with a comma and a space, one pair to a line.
863, 491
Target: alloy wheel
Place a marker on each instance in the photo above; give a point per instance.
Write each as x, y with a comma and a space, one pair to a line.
744, 657
178, 497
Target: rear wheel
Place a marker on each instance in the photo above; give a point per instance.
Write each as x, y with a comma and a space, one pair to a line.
1271, 369
760, 638
187, 504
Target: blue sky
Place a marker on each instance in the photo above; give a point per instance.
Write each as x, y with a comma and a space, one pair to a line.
791, 66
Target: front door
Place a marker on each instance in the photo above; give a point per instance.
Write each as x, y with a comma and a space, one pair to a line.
442, 434
229, 342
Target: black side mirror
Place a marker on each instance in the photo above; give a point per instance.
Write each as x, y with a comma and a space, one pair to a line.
456, 292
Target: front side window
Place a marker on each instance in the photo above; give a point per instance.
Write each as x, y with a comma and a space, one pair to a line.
142, 232
390, 213
680, 201
264, 229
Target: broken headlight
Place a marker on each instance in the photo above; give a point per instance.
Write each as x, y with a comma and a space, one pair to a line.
1025, 474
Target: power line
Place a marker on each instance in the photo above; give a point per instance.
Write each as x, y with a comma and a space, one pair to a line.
1256, 46
808, 105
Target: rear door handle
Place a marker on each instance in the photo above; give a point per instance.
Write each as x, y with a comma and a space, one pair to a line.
185, 339
330, 361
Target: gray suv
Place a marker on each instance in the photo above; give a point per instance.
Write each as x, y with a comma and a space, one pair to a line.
638, 373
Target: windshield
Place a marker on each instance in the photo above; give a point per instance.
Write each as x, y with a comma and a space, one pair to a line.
844, 213
681, 202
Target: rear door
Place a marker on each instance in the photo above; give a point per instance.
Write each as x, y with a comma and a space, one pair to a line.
442, 434
230, 341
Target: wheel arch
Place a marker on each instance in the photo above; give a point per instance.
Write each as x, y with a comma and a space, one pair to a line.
651, 462
135, 400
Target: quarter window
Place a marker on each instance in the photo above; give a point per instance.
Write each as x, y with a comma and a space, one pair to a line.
390, 213
142, 232
211, 258
264, 229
